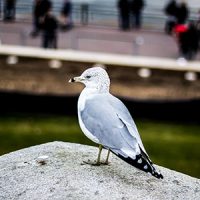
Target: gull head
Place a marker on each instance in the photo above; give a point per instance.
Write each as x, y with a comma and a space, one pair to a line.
94, 78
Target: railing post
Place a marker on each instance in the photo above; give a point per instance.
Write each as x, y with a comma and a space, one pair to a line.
84, 13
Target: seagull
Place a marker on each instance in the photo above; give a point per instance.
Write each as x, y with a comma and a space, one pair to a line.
105, 120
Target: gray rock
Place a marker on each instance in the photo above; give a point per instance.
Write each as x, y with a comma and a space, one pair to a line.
56, 171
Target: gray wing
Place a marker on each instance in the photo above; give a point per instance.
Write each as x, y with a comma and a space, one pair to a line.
107, 119
127, 119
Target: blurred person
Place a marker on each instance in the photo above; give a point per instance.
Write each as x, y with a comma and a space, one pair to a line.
179, 29
182, 12
49, 36
189, 41
9, 10
40, 9
136, 10
194, 38
36, 17
171, 11
66, 15
124, 14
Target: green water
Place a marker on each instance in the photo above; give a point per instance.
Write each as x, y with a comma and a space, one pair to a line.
172, 145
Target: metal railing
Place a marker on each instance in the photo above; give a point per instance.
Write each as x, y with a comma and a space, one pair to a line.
95, 13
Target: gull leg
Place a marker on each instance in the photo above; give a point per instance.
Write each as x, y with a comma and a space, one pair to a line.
106, 162
97, 163
99, 155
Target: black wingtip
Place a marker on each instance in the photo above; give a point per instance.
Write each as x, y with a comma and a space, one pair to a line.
142, 164
157, 175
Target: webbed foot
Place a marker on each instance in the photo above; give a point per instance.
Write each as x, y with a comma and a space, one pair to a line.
94, 163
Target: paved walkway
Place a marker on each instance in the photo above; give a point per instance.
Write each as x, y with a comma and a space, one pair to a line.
97, 39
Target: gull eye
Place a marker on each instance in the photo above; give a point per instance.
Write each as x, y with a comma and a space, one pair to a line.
88, 77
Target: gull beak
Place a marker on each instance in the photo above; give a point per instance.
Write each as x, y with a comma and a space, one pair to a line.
76, 79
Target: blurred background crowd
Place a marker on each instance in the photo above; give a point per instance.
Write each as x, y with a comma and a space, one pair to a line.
181, 22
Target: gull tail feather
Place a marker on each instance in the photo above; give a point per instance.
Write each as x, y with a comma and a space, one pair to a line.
141, 163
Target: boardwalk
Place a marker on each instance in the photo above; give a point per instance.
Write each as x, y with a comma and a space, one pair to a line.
97, 39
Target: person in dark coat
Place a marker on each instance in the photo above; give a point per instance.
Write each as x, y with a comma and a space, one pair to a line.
9, 10
66, 15
50, 25
171, 11
36, 17
189, 41
182, 13
124, 14
40, 8
136, 9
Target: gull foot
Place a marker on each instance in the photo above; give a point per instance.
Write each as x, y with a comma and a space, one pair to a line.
105, 163
92, 163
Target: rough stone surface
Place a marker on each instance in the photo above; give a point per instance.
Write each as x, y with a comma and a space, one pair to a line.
56, 171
